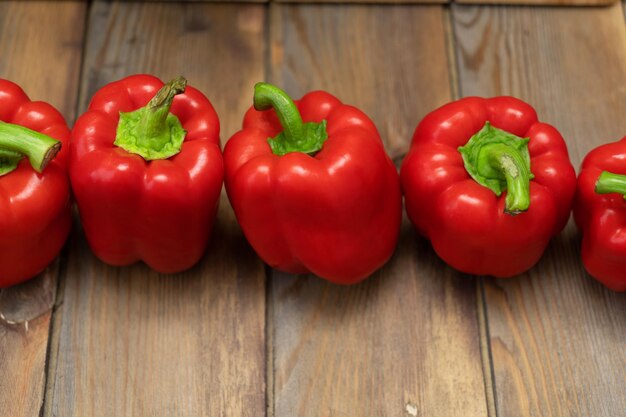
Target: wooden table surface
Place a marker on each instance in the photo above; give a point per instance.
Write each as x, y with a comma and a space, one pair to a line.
231, 337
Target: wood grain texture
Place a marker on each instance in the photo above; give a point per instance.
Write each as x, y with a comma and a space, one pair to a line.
541, 2
362, 1
405, 341
51, 34
132, 342
556, 335
40, 46
25, 312
216, 1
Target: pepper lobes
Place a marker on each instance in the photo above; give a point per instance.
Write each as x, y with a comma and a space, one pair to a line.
35, 215
600, 213
488, 184
312, 186
147, 179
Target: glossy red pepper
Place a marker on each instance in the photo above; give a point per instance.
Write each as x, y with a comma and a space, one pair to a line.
147, 179
320, 196
488, 200
35, 216
600, 213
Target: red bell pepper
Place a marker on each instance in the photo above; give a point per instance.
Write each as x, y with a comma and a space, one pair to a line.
147, 179
600, 213
488, 200
35, 216
312, 186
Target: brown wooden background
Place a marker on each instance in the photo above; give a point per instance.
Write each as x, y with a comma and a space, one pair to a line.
232, 337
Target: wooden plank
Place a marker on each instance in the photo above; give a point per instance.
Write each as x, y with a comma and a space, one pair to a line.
25, 312
484, 2
405, 341
541, 2
136, 343
556, 335
510, 2
218, 1
31, 35
320, 1
31, 38
362, 1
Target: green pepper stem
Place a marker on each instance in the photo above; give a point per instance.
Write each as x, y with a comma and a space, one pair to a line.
500, 161
512, 165
609, 183
152, 129
267, 96
296, 136
17, 142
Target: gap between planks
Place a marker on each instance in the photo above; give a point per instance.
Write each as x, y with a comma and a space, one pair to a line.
270, 410
481, 303
34, 35
57, 312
